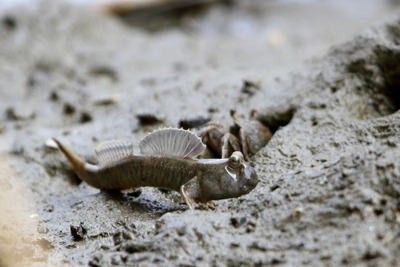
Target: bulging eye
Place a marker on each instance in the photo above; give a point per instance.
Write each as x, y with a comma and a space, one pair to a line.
236, 158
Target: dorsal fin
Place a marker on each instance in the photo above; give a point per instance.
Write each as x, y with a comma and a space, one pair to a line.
112, 151
172, 142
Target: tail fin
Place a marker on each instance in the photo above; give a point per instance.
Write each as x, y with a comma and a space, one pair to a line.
76, 162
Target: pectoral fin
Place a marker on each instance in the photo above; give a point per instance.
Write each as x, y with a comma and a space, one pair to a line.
190, 191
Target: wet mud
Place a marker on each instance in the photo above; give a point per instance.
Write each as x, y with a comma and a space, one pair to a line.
329, 186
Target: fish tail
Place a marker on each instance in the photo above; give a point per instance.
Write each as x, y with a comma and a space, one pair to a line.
77, 163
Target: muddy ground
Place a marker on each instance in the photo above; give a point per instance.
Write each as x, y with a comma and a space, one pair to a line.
329, 178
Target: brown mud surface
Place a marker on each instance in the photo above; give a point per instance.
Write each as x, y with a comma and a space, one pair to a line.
329, 191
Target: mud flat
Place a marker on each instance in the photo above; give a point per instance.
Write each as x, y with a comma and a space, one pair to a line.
330, 176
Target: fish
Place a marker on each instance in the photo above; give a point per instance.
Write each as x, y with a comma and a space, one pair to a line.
167, 160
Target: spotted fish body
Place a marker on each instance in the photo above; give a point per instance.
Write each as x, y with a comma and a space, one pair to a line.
166, 161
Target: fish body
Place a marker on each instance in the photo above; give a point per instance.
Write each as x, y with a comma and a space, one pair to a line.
166, 161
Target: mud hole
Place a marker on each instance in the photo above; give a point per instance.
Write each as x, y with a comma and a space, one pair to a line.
329, 177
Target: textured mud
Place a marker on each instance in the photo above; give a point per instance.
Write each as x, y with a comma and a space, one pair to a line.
330, 177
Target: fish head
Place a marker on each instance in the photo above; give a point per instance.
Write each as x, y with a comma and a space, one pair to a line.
222, 179
243, 177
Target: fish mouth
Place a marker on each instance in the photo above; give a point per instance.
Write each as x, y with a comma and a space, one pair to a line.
251, 178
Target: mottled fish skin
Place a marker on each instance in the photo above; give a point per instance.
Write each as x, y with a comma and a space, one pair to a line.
136, 171
198, 180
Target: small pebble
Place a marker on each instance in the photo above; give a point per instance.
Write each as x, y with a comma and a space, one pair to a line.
51, 144
54, 96
146, 119
193, 122
106, 101
9, 22
49, 208
297, 212
105, 71
69, 109
237, 222
85, 117
20, 113
250, 87
78, 232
